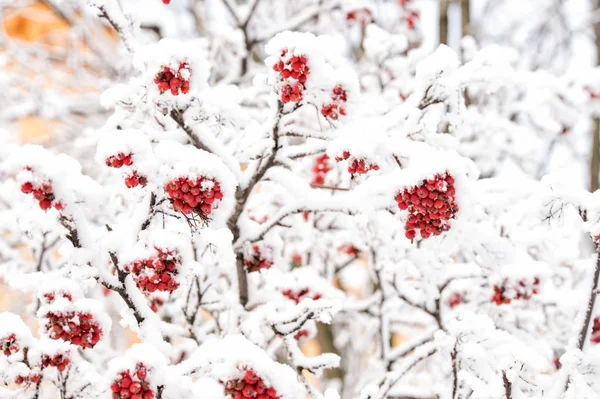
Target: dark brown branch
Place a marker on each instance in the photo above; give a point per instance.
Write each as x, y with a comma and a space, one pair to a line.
122, 291
151, 212
72, 235
178, 118
590, 304
507, 386
454, 357
241, 197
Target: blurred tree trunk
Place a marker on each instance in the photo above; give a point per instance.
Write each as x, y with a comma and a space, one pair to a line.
595, 158
465, 24
465, 16
444, 4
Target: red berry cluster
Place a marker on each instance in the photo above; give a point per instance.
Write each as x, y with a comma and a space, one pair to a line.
9, 345
156, 303
298, 295
119, 160
44, 194
134, 180
249, 386
455, 299
594, 95
524, 291
116, 161
22, 379
79, 328
336, 108
430, 205
411, 18
50, 296
294, 71
156, 273
499, 298
349, 249
595, 338
301, 333
363, 16
60, 361
296, 260
357, 166
255, 260
176, 81
198, 195
132, 386
320, 169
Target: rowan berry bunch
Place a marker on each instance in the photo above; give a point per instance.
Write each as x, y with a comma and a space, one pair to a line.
33, 378
257, 257
134, 180
455, 299
525, 290
59, 360
299, 295
199, 195
296, 260
595, 337
320, 169
499, 297
357, 166
175, 81
133, 385
117, 161
79, 328
430, 205
156, 303
301, 334
411, 17
156, 273
349, 249
43, 193
51, 296
9, 345
336, 108
293, 71
362, 16
249, 386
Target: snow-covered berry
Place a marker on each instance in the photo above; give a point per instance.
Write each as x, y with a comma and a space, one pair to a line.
156, 273
455, 299
356, 166
250, 385
299, 295
430, 205
59, 360
336, 107
79, 328
293, 72
175, 81
9, 345
117, 161
499, 297
43, 193
257, 257
199, 195
133, 384
320, 169
595, 337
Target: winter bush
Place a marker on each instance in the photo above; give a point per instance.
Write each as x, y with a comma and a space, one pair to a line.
298, 172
